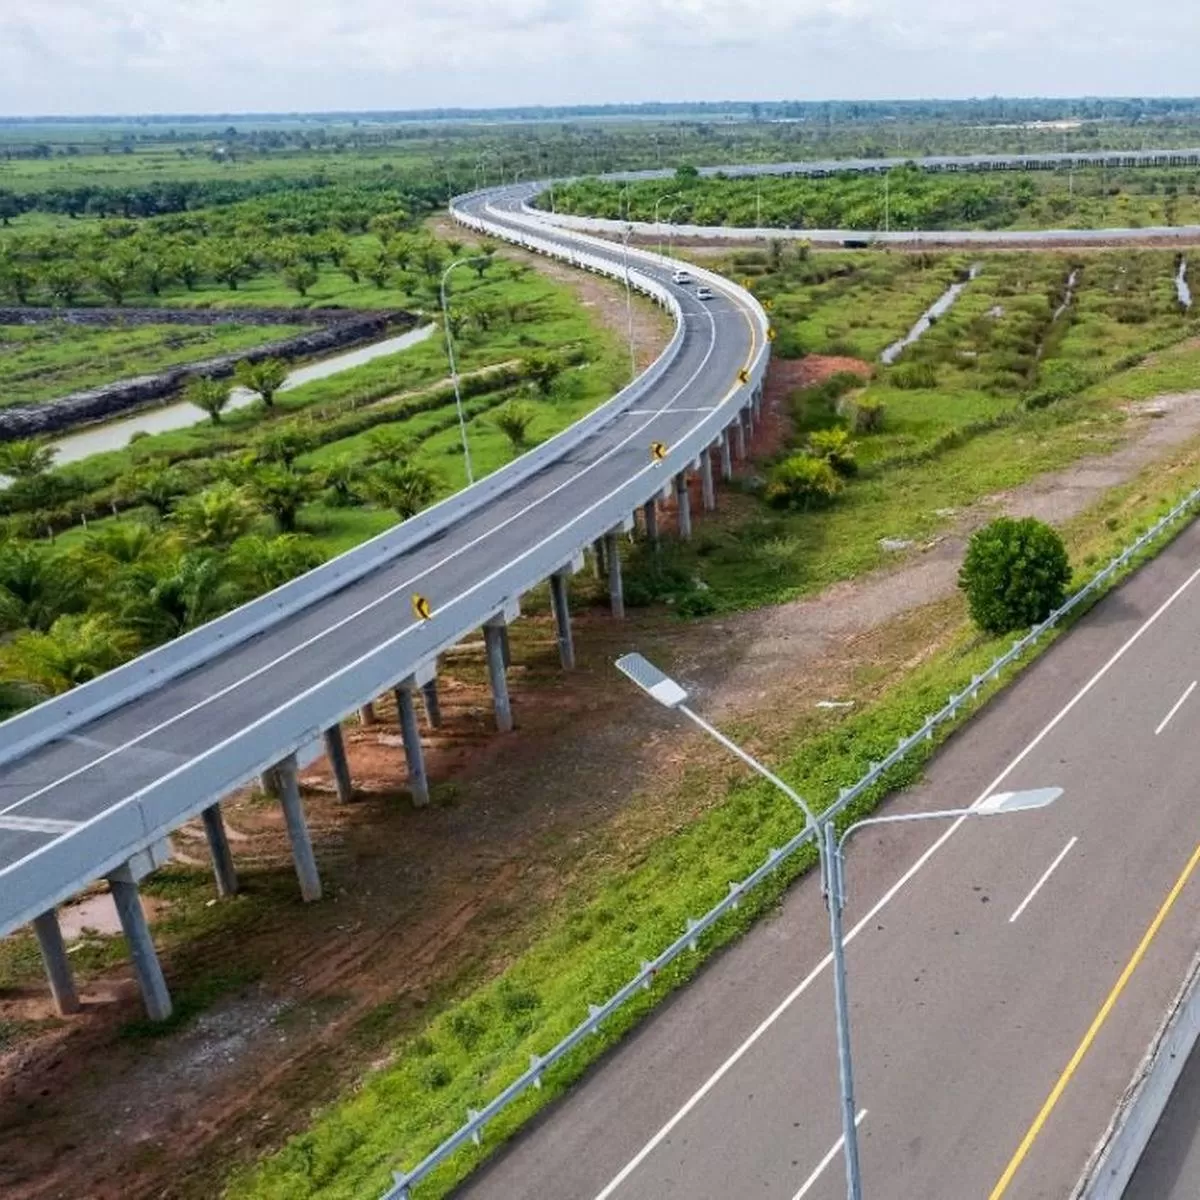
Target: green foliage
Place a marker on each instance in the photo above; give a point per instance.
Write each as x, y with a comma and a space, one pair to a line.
264, 378
513, 420
209, 395
405, 487
864, 415
802, 482
215, 517
913, 376
542, 370
1015, 574
834, 447
74, 650
24, 458
282, 493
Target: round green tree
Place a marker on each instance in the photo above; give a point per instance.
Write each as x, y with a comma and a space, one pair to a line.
1015, 574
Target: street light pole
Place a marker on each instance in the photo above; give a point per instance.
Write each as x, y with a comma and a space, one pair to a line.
657, 202
830, 848
628, 299
458, 404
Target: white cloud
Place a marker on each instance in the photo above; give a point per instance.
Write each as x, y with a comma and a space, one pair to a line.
163, 55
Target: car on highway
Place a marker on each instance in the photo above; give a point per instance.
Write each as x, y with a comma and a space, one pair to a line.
704, 293
682, 276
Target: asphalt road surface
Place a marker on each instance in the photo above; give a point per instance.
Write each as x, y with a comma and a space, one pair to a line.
992, 1031
49, 791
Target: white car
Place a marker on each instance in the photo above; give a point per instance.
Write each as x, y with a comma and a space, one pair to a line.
682, 276
704, 293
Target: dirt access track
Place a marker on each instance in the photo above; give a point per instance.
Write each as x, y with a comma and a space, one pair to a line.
290, 1003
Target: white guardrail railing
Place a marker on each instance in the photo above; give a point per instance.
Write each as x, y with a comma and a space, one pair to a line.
58, 870
472, 1130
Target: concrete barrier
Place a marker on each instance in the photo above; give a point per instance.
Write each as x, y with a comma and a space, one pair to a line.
1116, 1156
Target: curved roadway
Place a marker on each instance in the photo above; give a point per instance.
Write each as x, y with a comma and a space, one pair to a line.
47, 794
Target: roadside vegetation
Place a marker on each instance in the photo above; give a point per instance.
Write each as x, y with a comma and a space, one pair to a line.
906, 198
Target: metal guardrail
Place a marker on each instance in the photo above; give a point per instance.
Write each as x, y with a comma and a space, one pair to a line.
53, 718
473, 1128
57, 870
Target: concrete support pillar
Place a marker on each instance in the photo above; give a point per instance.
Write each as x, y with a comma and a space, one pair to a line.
493, 636
218, 847
683, 503
598, 564
297, 827
58, 966
726, 456
708, 491
367, 715
335, 751
506, 646
155, 997
418, 781
616, 594
739, 438
650, 509
433, 705
562, 618
268, 782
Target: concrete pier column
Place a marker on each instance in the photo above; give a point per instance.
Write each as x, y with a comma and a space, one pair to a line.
58, 966
297, 827
506, 645
493, 636
418, 780
708, 491
598, 564
433, 704
268, 782
739, 438
650, 510
147, 968
616, 594
367, 715
726, 456
335, 751
684, 504
562, 618
218, 847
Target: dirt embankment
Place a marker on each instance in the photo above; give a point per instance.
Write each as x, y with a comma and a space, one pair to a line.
420, 903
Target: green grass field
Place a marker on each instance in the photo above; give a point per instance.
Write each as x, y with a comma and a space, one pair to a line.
39, 362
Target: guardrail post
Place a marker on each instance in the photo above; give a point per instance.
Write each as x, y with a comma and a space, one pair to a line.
708, 491
418, 781
683, 503
433, 705
297, 827
218, 846
494, 637
58, 966
155, 996
726, 456
335, 751
616, 594
650, 511
562, 618
367, 716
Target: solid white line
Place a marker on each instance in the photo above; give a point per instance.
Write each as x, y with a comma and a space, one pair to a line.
1177, 706
1037, 887
882, 902
38, 825
398, 589
834, 1150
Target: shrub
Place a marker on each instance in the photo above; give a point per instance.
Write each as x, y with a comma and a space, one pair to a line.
836, 448
863, 415
914, 376
1014, 574
802, 482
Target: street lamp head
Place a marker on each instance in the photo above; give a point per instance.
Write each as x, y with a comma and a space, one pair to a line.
1000, 803
651, 680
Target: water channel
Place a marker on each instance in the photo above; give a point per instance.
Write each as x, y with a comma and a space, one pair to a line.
938, 308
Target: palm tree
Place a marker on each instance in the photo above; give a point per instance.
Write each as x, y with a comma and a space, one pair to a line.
340, 476
25, 458
265, 563
513, 420
74, 650
264, 378
389, 444
282, 493
404, 486
160, 602
34, 592
159, 487
214, 518
284, 443
209, 395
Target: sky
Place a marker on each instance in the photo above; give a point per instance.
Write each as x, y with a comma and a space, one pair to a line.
176, 56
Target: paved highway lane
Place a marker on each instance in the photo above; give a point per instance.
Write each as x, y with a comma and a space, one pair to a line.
984, 957
101, 763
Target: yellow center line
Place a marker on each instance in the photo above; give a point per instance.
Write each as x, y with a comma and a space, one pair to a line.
1088, 1038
